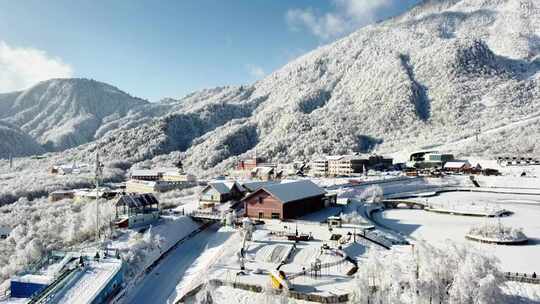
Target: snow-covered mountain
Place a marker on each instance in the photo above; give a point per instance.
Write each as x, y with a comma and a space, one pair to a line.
63, 113
434, 76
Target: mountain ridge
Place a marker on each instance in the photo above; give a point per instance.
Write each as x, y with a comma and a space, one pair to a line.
433, 75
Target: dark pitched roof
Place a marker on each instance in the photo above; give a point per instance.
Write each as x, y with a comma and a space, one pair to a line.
137, 200
220, 187
293, 191
253, 186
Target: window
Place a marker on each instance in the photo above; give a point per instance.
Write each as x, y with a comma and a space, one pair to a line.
261, 215
275, 216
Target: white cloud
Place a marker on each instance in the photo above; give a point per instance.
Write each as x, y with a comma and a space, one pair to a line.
255, 71
346, 16
21, 68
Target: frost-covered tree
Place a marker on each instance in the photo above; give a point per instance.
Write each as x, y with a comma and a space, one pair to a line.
429, 275
373, 194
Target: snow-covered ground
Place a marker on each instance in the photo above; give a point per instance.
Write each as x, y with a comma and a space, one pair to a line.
229, 295
528, 291
164, 281
268, 249
438, 228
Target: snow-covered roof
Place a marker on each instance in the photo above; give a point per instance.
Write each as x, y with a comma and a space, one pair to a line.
220, 187
456, 164
144, 172
346, 157
155, 172
34, 278
63, 192
137, 200
289, 192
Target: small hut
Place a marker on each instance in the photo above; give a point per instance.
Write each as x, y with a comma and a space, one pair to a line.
136, 210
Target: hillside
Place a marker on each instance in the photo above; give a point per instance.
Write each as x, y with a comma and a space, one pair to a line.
432, 77
63, 113
16, 143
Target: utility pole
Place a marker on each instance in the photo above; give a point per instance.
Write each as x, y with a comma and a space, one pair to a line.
97, 175
10, 162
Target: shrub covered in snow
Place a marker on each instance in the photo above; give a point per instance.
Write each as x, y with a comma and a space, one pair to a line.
353, 218
139, 248
373, 194
455, 275
497, 232
40, 226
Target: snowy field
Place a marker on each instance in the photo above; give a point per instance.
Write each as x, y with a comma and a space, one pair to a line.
438, 228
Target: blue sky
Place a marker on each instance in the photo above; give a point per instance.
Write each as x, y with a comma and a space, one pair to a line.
156, 49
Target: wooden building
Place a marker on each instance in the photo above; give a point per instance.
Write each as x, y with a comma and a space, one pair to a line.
136, 210
457, 166
61, 194
285, 200
219, 192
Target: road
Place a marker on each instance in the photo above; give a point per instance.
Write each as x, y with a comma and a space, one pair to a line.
161, 282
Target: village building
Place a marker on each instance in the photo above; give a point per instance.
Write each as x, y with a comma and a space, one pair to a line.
256, 168
347, 165
319, 167
285, 200
66, 169
249, 164
156, 186
461, 166
135, 210
292, 169
216, 193
85, 195
145, 175
162, 174
175, 176
429, 159
61, 194
379, 162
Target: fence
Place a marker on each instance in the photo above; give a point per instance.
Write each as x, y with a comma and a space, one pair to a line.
522, 277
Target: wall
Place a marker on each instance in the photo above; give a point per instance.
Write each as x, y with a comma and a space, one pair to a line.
268, 205
303, 207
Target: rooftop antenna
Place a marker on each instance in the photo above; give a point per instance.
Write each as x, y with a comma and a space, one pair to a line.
97, 175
